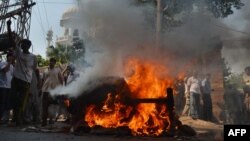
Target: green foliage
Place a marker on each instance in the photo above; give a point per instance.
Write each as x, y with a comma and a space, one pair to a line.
219, 8
223, 8
61, 53
65, 53
42, 61
78, 50
172, 8
231, 80
235, 80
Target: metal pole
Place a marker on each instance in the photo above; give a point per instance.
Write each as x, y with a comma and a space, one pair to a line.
158, 23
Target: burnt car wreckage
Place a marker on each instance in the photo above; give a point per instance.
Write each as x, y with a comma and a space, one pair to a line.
97, 93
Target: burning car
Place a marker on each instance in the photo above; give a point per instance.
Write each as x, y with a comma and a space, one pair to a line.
142, 102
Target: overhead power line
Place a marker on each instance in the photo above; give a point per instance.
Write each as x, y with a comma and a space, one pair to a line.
41, 26
40, 17
231, 29
46, 2
46, 14
39, 20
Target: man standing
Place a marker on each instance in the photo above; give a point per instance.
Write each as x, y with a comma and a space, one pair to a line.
194, 88
6, 73
206, 97
33, 109
71, 74
26, 64
186, 110
179, 95
51, 79
246, 89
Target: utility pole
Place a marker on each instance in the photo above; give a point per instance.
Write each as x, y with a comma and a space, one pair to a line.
3, 10
24, 19
22, 13
158, 23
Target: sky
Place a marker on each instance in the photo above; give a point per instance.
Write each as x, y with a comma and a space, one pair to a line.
46, 14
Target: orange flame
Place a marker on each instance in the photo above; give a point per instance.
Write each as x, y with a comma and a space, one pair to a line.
149, 80
146, 79
67, 102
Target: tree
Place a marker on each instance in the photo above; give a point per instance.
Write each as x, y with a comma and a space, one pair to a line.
78, 50
219, 8
42, 61
171, 8
231, 80
67, 53
226, 70
233, 96
223, 8
61, 53
235, 80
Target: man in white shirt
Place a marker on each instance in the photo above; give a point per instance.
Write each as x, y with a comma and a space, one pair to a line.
52, 78
6, 73
194, 88
186, 110
25, 65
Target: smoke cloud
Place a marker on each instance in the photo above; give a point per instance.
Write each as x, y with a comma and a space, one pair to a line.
236, 51
116, 29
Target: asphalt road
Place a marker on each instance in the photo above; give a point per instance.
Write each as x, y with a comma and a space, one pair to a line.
206, 131
16, 134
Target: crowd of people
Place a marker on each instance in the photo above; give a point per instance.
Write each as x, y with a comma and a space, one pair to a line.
190, 92
193, 98
24, 89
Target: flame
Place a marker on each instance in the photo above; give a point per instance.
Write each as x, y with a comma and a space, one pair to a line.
107, 116
149, 80
67, 102
146, 79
